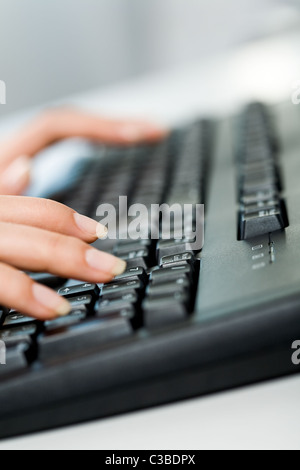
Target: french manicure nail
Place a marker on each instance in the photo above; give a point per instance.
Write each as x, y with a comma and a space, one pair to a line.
16, 172
48, 298
90, 226
105, 262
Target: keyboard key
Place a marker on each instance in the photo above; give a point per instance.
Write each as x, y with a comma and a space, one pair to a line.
47, 279
115, 289
15, 318
172, 273
129, 313
133, 274
120, 308
24, 331
157, 290
138, 258
260, 222
78, 314
249, 209
86, 300
82, 338
79, 290
166, 310
16, 359
177, 259
130, 245
3, 313
259, 196
128, 296
173, 247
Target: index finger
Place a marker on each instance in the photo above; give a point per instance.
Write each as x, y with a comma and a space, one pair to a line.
59, 124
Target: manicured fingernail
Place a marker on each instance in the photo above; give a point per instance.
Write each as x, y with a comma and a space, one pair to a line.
48, 298
105, 262
90, 226
17, 172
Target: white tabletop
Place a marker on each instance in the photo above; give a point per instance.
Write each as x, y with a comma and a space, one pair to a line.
256, 417
260, 416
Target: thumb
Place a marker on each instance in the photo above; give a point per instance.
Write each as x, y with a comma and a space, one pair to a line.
15, 177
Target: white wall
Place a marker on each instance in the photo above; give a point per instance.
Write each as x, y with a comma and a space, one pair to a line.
49, 48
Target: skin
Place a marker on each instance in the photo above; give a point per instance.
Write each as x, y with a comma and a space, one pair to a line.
42, 235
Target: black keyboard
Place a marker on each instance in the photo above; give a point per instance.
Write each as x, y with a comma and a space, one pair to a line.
184, 319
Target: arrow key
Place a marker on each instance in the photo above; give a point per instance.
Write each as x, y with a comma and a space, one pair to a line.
79, 290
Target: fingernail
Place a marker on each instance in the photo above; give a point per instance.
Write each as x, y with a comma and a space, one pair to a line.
17, 171
105, 262
90, 226
48, 298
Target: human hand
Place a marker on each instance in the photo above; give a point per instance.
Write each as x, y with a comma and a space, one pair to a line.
43, 235
17, 151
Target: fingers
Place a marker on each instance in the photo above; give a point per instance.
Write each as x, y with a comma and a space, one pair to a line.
49, 215
15, 178
19, 292
16, 152
34, 249
55, 243
71, 123
60, 124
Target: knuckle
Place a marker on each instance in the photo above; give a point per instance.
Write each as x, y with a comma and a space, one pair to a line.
53, 245
63, 247
68, 250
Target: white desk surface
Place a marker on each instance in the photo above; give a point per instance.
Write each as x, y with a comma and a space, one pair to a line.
260, 416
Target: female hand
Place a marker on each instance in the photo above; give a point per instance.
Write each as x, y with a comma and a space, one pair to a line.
17, 151
42, 235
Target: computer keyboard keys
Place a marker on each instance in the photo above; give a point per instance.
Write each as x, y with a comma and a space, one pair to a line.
47, 279
15, 356
15, 318
120, 308
178, 259
79, 290
166, 310
23, 331
172, 273
137, 258
135, 274
262, 221
116, 289
173, 247
157, 290
131, 245
78, 314
82, 338
3, 313
130, 296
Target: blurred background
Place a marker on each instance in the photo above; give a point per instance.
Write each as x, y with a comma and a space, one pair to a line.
49, 49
